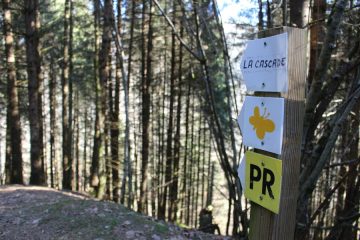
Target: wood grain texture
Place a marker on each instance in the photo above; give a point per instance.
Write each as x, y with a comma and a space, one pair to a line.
263, 223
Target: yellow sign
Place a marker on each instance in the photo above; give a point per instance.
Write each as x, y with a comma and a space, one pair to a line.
263, 180
261, 123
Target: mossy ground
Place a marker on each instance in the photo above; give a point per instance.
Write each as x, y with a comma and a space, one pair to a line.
28, 212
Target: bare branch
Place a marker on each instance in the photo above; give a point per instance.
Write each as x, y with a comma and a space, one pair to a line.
176, 33
309, 184
326, 201
342, 163
323, 63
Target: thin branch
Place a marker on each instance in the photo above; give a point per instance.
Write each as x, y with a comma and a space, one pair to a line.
176, 33
327, 199
343, 163
308, 186
323, 63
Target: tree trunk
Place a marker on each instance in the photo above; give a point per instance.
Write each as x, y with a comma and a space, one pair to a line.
104, 72
183, 193
85, 156
169, 142
127, 160
53, 127
174, 184
115, 131
317, 34
13, 115
94, 182
146, 82
198, 169
79, 165
299, 13
66, 100
260, 16
188, 219
35, 78
160, 212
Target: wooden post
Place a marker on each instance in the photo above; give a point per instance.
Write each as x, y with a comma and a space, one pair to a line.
263, 223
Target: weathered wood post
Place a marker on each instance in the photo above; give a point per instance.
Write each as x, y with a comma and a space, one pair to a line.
265, 224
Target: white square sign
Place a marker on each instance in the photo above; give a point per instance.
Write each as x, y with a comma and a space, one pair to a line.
261, 122
264, 64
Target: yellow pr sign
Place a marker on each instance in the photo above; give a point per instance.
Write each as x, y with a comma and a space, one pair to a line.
263, 180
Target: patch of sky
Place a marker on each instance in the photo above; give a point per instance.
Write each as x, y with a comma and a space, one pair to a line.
239, 11
236, 14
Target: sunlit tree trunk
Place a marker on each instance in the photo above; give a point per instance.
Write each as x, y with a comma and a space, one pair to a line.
127, 160
115, 131
145, 115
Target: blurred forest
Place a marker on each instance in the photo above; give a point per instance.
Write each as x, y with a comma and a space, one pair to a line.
136, 102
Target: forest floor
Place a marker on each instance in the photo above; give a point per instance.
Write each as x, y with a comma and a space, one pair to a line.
29, 212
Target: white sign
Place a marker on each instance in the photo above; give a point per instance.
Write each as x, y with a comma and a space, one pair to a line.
261, 122
264, 64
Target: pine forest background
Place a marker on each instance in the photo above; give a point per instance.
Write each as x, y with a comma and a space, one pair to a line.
136, 102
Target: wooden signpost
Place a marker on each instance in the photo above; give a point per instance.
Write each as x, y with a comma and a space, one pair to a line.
273, 67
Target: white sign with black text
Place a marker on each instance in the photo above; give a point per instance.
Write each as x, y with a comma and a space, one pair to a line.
264, 64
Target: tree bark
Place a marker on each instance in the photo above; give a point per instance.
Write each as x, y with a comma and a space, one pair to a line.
115, 131
94, 182
299, 13
53, 127
185, 179
317, 34
260, 16
145, 89
35, 79
13, 115
127, 160
175, 182
169, 142
66, 100
104, 72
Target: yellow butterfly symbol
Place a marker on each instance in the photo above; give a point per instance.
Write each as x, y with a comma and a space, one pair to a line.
261, 123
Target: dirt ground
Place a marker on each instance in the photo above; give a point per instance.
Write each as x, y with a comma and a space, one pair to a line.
29, 212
